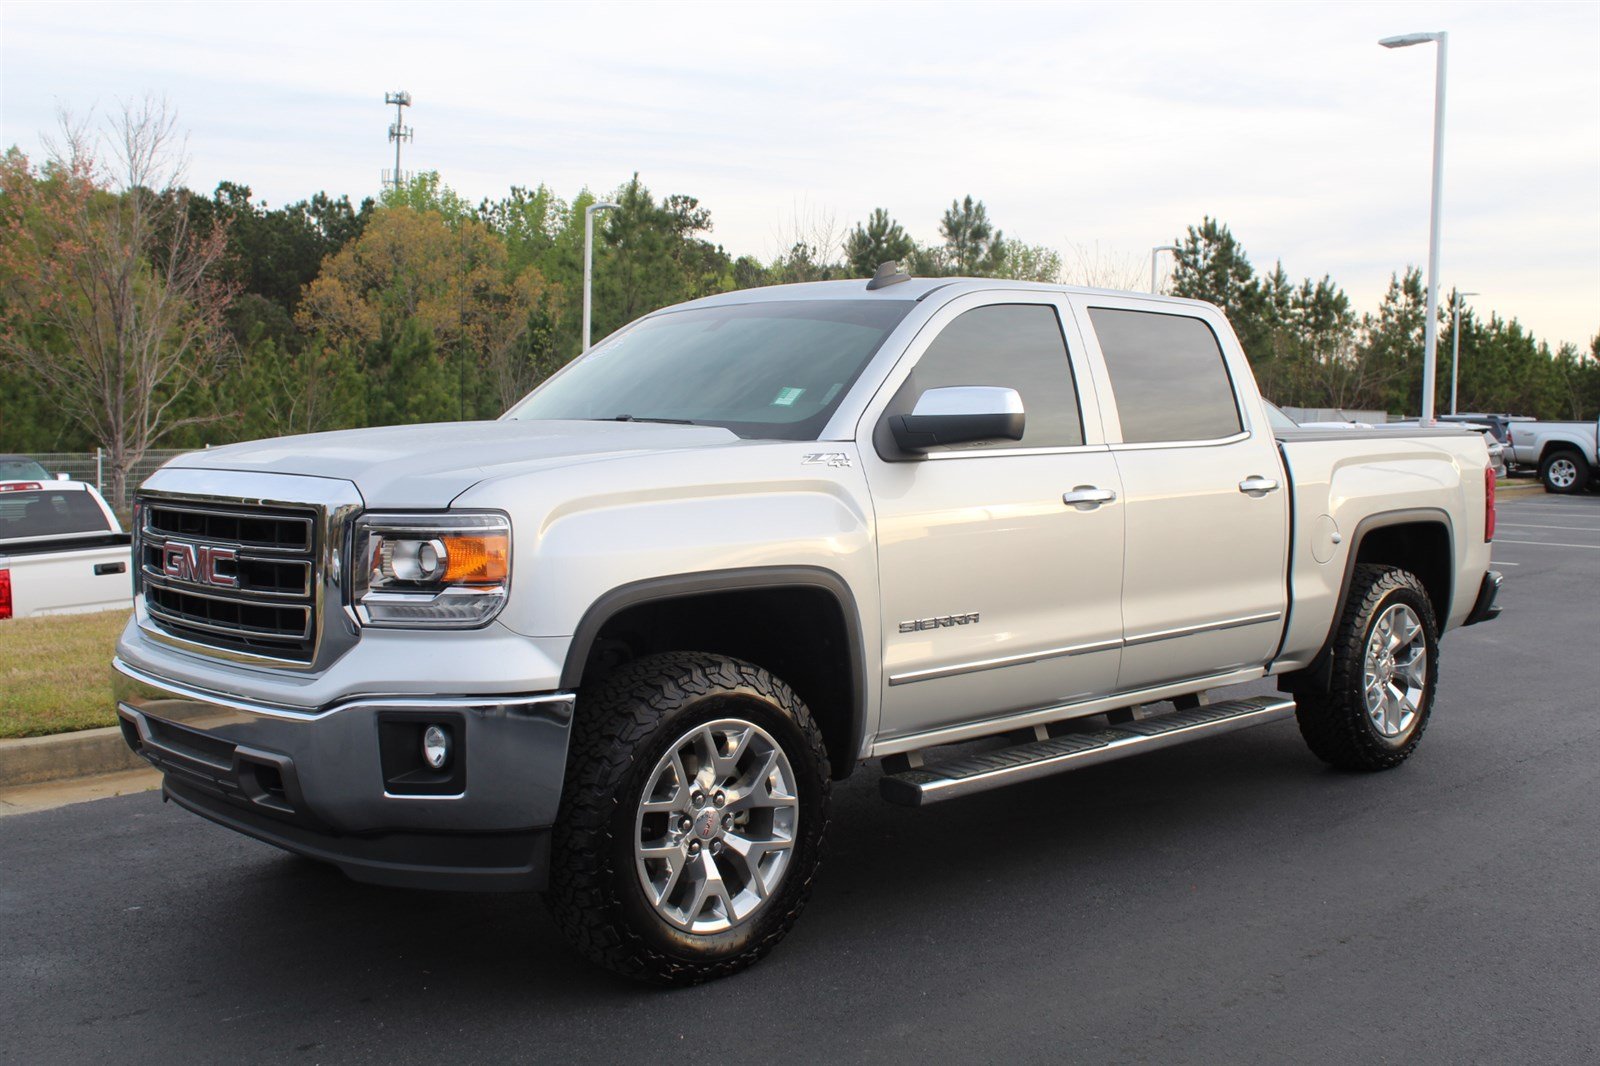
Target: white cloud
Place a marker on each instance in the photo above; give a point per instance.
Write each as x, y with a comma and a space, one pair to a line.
1081, 124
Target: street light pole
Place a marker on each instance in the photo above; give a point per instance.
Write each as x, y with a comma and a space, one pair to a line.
588, 264
1157, 250
1455, 345
1430, 328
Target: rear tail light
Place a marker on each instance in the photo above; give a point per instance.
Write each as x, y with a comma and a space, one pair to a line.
1488, 504
5, 594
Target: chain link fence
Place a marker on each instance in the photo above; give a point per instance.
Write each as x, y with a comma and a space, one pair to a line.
94, 468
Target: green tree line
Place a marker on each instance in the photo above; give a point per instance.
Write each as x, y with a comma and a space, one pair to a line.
1309, 347
418, 305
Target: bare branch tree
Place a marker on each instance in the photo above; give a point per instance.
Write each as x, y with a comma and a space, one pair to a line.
1095, 268
811, 247
110, 298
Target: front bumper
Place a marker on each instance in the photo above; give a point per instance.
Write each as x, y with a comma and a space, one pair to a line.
323, 782
1484, 609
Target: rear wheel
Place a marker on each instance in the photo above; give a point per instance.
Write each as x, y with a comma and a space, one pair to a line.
1564, 472
692, 818
1385, 668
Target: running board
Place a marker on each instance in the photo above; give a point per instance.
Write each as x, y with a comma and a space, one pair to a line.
1040, 758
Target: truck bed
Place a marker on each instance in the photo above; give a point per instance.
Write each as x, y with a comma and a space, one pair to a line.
1343, 482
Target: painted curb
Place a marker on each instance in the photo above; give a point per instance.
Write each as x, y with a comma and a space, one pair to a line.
34, 760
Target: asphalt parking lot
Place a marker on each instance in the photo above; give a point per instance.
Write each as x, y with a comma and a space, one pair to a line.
1231, 900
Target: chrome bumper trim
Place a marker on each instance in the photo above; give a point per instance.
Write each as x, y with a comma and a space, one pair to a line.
397, 702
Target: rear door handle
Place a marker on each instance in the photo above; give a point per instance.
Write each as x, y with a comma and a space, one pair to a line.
1087, 497
1258, 486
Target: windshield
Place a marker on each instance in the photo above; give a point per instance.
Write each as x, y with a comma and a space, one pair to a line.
16, 468
49, 513
763, 370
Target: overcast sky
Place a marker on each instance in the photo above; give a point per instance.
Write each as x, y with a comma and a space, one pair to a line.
1105, 127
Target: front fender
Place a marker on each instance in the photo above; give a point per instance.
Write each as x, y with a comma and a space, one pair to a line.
758, 507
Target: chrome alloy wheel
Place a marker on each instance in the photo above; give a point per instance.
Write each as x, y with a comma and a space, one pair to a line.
716, 827
1395, 671
1563, 472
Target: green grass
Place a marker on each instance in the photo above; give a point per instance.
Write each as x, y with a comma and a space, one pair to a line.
55, 673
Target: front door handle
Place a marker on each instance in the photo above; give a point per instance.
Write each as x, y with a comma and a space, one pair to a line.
1257, 486
1087, 497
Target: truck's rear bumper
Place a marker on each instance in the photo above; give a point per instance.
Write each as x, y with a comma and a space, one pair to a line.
346, 784
1484, 609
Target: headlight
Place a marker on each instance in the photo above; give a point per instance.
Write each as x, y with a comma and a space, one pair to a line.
440, 571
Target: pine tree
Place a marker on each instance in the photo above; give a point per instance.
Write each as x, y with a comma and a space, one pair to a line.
882, 240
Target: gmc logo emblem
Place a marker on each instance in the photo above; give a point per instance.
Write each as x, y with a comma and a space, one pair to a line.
197, 564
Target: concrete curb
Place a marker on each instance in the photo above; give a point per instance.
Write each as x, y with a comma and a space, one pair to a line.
33, 760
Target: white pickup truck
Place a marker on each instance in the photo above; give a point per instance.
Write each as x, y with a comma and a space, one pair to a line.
1566, 454
62, 550
617, 644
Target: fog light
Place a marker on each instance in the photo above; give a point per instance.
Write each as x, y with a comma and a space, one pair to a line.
436, 746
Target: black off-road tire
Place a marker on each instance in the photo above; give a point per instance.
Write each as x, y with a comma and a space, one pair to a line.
1580, 465
1335, 723
624, 725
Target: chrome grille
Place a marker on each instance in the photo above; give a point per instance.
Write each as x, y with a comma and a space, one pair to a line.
257, 595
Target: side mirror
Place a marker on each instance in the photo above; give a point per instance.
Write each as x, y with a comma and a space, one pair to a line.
960, 414
63, 477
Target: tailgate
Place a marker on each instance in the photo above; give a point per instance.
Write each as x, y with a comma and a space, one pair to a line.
70, 581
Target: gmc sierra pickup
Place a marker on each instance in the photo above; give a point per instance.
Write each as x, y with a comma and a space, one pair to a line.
617, 644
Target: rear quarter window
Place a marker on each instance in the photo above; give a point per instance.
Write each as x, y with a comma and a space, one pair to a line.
1168, 376
49, 513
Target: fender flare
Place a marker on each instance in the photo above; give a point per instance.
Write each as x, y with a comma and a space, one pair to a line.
1318, 673
744, 579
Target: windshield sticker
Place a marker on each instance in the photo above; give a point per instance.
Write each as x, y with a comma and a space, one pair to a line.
787, 396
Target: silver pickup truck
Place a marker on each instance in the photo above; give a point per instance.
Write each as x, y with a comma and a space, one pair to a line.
1566, 454
617, 644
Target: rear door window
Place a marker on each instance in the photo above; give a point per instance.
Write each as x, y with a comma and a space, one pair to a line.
1168, 376
49, 513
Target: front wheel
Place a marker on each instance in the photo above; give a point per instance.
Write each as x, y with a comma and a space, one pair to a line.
1385, 669
692, 818
1564, 472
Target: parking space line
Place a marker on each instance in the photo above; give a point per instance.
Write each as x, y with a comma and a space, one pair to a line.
1530, 525
1549, 544
1561, 508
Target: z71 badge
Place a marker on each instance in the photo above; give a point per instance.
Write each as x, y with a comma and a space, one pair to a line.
826, 459
943, 621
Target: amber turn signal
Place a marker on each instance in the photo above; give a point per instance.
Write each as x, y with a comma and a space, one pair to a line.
479, 559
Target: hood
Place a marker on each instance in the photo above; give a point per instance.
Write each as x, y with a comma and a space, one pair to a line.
427, 466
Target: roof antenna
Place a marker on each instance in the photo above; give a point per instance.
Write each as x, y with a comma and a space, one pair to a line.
888, 274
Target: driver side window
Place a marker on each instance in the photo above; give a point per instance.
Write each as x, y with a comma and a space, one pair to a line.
1014, 346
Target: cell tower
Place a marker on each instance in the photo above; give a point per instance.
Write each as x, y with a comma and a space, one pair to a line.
398, 131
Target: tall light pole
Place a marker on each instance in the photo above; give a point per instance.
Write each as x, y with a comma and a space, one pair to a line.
1455, 345
1157, 250
588, 264
1430, 328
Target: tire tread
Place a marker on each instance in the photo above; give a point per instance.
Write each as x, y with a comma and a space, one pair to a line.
614, 722
1334, 723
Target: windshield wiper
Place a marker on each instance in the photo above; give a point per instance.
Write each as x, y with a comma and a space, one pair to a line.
636, 418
